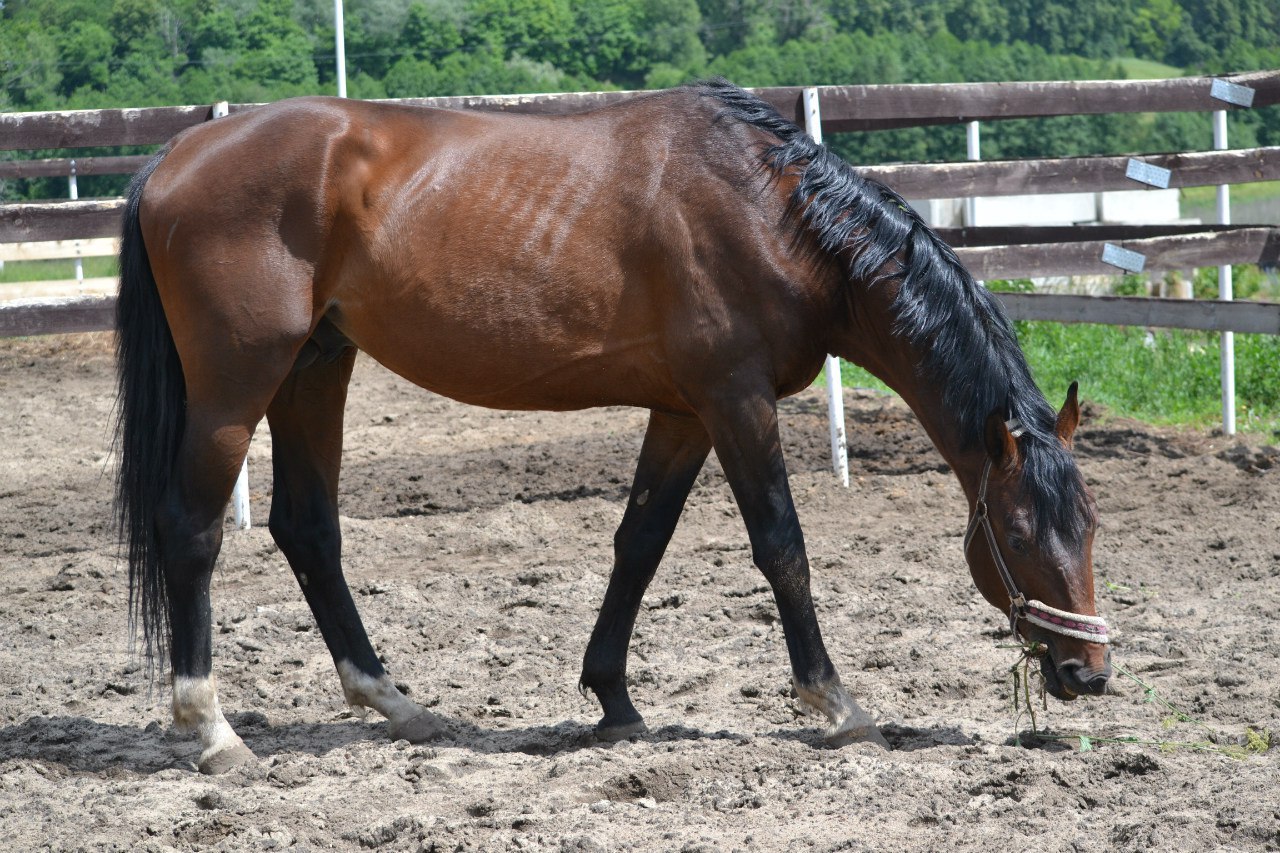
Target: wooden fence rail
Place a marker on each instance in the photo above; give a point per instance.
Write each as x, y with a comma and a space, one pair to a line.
65, 167
24, 317
39, 221
1181, 252
98, 247
844, 108
1217, 315
1074, 174
913, 180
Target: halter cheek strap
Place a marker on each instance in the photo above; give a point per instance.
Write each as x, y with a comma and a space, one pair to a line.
1078, 625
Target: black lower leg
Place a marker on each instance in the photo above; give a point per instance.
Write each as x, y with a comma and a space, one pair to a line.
189, 535
673, 452
188, 557
785, 566
306, 429
313, 545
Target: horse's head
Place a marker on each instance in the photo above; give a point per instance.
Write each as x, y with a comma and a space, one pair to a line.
1029, 546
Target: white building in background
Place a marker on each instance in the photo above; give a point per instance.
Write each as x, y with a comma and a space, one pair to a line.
1122, 207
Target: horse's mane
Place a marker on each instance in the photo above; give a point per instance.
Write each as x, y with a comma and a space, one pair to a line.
967, 343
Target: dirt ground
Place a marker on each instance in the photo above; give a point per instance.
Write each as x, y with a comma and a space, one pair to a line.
478, 544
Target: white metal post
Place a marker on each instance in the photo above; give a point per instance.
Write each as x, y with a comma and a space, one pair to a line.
240, 495
835, 387
1228, 341
973, 148
973, 142
340, 48
74, 189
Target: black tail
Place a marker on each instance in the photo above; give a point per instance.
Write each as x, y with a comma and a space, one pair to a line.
150, 417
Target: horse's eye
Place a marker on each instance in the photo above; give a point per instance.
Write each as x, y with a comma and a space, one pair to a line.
1017, 544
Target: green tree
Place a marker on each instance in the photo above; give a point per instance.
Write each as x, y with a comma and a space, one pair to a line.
1154, 26
410, 77
540, 30
669, 31
134, 23
605, 42
29, 60
276, 51
215, 28
85, 51
429, 33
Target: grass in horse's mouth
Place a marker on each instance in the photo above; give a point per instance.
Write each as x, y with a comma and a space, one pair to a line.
1021, 674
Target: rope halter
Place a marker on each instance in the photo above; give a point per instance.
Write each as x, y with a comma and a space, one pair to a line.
1090, 628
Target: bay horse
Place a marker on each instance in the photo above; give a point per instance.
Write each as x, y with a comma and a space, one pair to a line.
690, 252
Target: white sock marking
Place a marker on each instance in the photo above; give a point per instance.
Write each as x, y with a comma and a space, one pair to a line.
380, 694
196, 708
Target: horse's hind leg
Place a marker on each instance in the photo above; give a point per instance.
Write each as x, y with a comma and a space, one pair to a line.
306, 433
673, 452
189, 536
744, 430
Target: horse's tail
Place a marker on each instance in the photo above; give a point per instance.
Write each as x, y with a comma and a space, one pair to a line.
150, 419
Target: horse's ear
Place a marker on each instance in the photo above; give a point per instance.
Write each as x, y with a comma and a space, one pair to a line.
1069, 417
1002, 447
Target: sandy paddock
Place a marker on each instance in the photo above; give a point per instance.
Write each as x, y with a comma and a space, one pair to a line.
478, 544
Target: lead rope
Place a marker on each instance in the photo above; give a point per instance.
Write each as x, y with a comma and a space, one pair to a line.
1078, 625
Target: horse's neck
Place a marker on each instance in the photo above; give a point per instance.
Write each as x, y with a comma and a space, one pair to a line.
895, 361
964, 455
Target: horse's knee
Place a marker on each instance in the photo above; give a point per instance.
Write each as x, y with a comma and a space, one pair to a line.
781, 548
641, 544
788, 575
602, 669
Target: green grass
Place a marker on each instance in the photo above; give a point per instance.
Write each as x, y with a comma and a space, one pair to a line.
20, 271
1208, 196
1146, 69
1170, 377
852, 376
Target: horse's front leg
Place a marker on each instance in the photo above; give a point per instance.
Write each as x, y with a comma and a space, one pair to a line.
744, 430
673, 452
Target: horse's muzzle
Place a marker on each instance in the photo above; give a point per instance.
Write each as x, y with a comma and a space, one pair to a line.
1068, 680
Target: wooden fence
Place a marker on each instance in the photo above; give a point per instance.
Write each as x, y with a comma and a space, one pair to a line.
988, 252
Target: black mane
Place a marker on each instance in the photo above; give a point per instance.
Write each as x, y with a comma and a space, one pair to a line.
968, 344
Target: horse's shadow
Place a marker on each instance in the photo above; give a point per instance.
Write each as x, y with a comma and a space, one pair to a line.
85, 746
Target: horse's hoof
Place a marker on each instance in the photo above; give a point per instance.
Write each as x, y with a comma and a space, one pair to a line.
226, 759
421, 727
860, 732
613, 732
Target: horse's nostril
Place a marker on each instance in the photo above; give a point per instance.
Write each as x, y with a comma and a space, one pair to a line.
1079, 681
1098, 684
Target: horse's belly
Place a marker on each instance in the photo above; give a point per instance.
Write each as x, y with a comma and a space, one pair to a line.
505, 355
